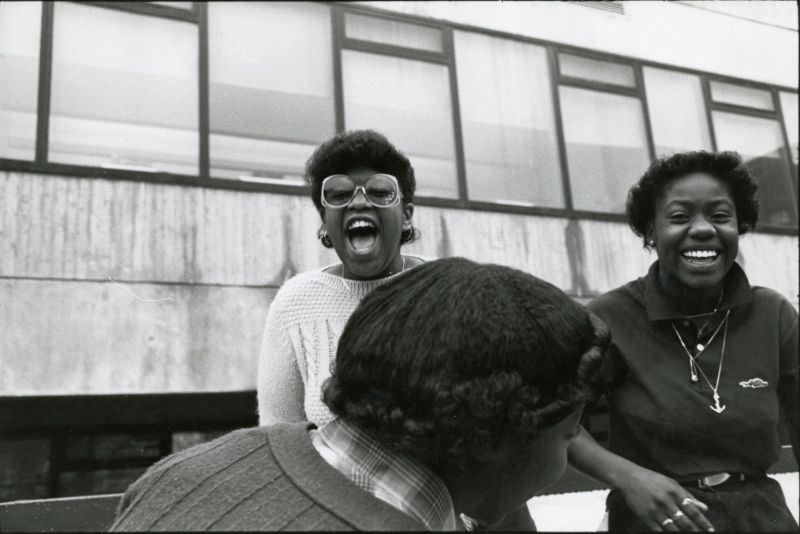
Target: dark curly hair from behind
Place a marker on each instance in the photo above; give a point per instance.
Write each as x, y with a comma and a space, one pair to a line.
361, 148
450, 358
727, 167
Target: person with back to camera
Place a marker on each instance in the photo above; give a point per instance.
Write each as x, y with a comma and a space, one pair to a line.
706, 365
363, 188
458, 387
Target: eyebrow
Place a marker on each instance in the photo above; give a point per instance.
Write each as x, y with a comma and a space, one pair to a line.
688, 202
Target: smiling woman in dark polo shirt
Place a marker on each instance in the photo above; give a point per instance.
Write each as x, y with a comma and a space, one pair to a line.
706, 365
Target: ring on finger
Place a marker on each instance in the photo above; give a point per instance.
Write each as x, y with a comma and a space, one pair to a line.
678, 514
686, 501
667, 521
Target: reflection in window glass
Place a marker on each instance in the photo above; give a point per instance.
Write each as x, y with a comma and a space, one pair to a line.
271, 88
20, 24
760, 142
593, 69
507, 121
727, 93
392, 32
789, 108
606, 147
681, 127
409, 102
132, 105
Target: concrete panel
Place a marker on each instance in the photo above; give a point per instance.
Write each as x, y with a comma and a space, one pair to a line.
614, 255
771, 261
95, 229
95, 337
533, 244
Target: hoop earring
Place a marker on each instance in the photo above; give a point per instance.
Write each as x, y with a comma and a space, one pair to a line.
325, 238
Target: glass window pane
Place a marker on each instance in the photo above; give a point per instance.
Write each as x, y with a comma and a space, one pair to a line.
789, 108
124, 91
676, 128
179, 5
409, 102
20, 24
727, 93
760, 142
606, 147
507, 121
392, 32
596, 70
271, 88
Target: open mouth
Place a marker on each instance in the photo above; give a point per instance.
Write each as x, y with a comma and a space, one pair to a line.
362, 234
700, 257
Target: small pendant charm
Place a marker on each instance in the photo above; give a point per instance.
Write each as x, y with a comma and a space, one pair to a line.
717, 407
700, 348
694, 376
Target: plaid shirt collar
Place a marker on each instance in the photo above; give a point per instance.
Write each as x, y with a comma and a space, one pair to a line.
396, 479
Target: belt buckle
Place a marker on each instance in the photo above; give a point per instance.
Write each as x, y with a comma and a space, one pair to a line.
713, 480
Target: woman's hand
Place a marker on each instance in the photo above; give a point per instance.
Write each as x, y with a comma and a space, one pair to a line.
662, 504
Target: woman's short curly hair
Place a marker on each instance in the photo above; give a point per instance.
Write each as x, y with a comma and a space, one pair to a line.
452, 357
361, 148
727, 167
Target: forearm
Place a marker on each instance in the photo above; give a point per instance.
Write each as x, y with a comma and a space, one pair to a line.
591, 458
280, 386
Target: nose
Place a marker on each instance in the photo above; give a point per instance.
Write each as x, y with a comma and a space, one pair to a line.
701, 228
359, 200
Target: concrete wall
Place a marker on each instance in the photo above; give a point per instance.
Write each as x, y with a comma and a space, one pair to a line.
733, 38
116, 286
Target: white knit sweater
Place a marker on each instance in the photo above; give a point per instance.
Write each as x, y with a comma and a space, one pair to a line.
298, 348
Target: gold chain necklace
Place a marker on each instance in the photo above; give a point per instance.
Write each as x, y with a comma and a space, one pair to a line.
694, 366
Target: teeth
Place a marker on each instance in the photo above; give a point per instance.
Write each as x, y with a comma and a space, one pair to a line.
700, 254
360, 223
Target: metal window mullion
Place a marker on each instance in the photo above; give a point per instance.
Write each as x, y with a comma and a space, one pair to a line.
45, 83
712, 131
648, 125
793, 186
552, 63
337, 35
455, 107
203, 82
395, 51
149, 9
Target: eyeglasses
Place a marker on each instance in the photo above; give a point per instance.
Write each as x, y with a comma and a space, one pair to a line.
380, 190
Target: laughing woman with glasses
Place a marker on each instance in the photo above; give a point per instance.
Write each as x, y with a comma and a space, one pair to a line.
363, 188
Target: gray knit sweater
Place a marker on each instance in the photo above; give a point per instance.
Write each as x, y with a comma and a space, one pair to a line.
264, 478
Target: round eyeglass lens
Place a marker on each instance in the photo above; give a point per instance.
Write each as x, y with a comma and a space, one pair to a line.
381, 189
337, 190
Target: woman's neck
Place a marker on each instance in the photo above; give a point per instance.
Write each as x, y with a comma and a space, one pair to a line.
397, 265
689, 300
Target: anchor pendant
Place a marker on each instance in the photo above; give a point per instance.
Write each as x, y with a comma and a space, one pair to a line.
717, 407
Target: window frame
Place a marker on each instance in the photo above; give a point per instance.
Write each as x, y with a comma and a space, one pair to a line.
198, 15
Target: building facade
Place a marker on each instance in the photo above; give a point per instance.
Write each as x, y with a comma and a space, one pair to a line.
151, 158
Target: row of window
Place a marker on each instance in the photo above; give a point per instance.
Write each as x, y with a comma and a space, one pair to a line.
487, 120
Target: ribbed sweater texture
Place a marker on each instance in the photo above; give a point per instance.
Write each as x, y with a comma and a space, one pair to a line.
265, 478
301, 334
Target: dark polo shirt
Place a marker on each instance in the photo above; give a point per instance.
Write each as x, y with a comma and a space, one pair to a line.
662, 420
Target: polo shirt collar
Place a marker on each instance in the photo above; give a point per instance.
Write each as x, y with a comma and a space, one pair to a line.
396, 479
736, 291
